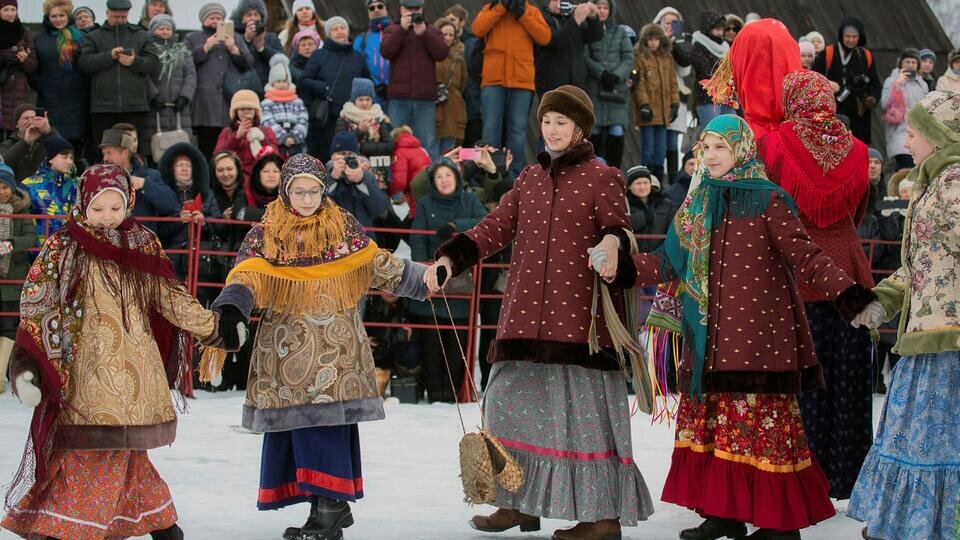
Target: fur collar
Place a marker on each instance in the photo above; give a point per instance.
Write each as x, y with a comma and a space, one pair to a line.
578, 154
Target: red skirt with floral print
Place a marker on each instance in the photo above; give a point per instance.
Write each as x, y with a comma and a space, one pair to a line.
745, 457
93, 495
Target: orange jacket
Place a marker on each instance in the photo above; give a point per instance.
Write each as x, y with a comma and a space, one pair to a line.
508, 54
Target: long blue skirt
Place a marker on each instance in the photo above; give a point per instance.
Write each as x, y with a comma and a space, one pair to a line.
310, 461
909, 485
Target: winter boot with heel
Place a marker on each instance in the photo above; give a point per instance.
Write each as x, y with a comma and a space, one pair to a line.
173, 532
713, 528
327, 519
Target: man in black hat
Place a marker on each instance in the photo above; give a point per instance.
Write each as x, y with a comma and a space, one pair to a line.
120, 59
154, 196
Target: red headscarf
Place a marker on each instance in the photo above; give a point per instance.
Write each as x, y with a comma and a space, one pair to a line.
813, 156
761, 56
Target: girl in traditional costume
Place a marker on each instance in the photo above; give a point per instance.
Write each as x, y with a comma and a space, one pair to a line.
909, 486
558, 407
98, 349
307, 266
740, 455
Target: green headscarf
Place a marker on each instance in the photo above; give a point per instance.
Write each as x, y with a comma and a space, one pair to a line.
744, 191
937, 118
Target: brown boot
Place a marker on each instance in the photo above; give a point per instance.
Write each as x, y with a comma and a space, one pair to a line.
504, 519
605, 529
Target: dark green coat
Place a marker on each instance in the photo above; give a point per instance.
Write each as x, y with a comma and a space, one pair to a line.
116, 88
23, 238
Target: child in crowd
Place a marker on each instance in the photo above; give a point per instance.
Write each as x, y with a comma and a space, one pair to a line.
98, 349
409, 158
283, 112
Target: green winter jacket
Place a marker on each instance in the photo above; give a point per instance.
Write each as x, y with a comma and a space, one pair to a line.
115, 88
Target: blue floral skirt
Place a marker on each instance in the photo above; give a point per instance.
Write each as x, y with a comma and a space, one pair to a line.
909, 486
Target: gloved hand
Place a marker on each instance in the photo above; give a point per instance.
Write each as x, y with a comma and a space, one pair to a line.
872, 316
156, 103
674, 109
445, 232
870, 102
608, 80
646, 113
182, 103
233, 328
517, 7
28, 392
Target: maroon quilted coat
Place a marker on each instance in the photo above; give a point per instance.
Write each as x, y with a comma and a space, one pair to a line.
14, 87
554, 212
412, 59
758, 340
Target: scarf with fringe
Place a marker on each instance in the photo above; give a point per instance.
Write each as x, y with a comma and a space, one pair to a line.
744, 191
138, 273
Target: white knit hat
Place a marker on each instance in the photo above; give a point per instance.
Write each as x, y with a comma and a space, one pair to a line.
279, 71
297, 4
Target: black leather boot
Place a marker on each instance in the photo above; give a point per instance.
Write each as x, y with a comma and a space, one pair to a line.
173, 532
327, 517
713, 528
773, 534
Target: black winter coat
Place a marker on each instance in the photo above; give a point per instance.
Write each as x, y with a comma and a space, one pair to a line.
64, 92
859, 76
116, 88
329, 74
652, 217
562, 61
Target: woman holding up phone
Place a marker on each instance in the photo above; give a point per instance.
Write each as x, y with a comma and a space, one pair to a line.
17, 60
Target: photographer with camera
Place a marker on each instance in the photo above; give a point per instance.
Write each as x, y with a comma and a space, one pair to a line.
353, 188
413, 47
250, 20
562, 61
851, 69
675, 27
903, 89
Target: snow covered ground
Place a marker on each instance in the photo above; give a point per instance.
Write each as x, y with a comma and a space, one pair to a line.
410, 474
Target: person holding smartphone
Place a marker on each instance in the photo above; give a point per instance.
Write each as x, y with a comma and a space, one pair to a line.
901, 91
18, 60
120, 58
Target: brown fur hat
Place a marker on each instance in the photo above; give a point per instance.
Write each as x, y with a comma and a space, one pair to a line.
572, 102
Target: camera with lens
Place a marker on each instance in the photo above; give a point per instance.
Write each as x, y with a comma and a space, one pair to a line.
860, 80
259, 27
416, 17
566, 7
351, 162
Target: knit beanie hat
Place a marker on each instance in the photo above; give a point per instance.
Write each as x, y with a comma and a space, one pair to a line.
345, 141
816, 35
5, 3
937, 118
909, 52
362, 88
20, 109
209, 9
54, 145
873, 153
927, 53
905, 185
637, 171
571, 102
308, 33
279, 70
6, 176
807, 47
245, 99
297, 4
332, 22
954, 55
89, 11
162, 20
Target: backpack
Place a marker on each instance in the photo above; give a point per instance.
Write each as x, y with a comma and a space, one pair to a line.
828, 56
475, 61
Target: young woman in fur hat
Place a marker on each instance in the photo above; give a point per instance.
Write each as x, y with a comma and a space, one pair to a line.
102, 340
740, 454
577, 458
306, 266
909, 485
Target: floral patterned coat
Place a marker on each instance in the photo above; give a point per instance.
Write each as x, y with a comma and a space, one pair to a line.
926, 287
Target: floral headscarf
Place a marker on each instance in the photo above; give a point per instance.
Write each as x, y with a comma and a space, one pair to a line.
744, 191
809, 103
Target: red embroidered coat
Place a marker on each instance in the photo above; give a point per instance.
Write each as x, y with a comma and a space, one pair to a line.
554, 212
758, 339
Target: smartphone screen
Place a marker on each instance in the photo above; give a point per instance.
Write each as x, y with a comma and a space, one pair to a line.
469, 154
678, 28
224, 29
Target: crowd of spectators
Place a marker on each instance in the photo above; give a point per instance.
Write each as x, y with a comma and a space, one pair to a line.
422, 123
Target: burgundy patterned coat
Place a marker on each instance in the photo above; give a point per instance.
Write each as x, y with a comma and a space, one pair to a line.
554, 212
758, 340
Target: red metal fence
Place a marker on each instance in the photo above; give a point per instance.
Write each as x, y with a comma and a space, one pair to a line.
194, 252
